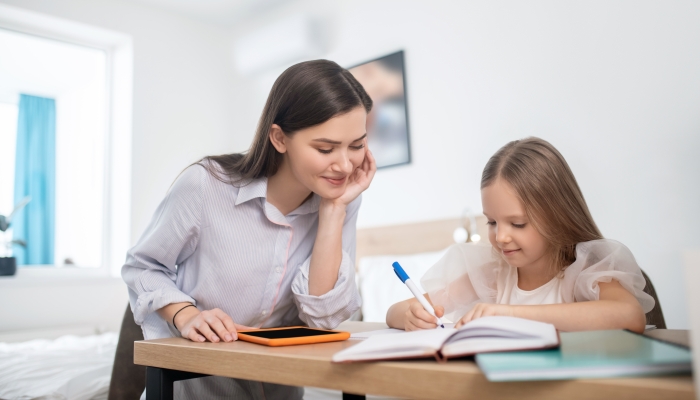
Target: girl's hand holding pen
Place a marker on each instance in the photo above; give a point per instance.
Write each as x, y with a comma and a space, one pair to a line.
416, 317
213, 325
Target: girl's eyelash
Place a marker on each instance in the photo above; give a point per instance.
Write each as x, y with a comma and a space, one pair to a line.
490, 222
325, 151
362, 146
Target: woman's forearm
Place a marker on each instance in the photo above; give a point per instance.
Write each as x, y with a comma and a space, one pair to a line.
170, 310
328, 248
586, 315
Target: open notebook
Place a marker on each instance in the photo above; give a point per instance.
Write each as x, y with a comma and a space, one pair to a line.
483, 335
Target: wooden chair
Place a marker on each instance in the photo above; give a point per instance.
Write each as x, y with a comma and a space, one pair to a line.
655, 316
128, 379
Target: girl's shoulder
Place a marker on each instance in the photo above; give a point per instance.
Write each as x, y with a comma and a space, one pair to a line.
602, 261
603, 253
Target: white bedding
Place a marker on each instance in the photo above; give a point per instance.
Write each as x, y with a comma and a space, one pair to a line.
70, 367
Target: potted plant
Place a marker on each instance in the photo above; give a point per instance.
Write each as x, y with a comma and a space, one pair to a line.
8, 263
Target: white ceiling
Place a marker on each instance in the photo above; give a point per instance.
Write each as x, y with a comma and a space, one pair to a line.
220, 12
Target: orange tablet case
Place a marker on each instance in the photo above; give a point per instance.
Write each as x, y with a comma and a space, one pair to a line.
334, 337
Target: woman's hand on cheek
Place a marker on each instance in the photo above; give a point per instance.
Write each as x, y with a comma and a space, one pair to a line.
360, 179
486, 310
213, 325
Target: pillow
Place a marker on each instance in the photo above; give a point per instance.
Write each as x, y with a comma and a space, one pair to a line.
379, 286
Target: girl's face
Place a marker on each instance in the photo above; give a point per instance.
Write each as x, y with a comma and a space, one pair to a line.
510, 231
322, 157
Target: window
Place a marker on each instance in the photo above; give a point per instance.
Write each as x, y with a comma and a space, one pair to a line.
93, 138
76, 78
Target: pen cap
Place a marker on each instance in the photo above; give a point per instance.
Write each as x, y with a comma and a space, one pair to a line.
400, 272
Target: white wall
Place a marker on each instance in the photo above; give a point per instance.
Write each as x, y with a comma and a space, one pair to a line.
614, 85
48, 303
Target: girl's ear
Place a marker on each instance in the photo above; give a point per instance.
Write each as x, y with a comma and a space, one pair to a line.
278, 138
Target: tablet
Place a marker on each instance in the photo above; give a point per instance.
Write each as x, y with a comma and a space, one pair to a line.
291, 335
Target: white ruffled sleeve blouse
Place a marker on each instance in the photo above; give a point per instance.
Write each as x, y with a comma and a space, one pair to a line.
471, 273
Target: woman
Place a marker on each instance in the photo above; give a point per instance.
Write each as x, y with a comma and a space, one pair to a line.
265, 238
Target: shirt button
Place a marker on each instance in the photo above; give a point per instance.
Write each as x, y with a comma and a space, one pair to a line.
264, 312
278, 270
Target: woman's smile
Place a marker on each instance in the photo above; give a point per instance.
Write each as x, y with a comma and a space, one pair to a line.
337, 181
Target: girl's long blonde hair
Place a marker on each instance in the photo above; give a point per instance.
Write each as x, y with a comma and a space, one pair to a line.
549, 193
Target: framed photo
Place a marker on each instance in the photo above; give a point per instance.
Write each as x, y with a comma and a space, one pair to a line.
384, 79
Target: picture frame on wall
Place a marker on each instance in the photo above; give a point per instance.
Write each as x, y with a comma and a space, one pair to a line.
384, 79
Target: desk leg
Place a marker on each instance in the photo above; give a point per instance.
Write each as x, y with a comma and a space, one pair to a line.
159, 382
350, 396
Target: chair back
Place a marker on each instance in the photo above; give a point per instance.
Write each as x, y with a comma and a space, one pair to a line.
128, 379
655, 316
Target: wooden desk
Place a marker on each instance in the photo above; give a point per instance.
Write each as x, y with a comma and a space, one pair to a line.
310, 365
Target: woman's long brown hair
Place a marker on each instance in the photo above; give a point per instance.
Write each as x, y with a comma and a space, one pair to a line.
304, 95
549, 193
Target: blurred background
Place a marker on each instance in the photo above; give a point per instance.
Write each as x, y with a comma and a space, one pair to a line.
143, 88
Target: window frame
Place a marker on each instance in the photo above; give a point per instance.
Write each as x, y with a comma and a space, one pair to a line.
116, 207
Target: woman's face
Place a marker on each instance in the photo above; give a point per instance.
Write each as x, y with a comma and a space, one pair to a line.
323, 157
511, 233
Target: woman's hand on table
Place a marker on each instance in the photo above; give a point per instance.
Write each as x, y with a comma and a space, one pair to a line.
213, 325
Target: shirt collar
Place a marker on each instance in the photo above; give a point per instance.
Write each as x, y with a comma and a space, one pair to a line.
251, 190
257, 188
307, 207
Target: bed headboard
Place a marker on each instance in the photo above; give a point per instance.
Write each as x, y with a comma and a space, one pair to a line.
416, 237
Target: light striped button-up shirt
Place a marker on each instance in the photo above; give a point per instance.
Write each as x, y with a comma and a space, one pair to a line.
219, 246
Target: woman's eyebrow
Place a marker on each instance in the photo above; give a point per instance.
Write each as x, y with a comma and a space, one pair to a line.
324, 140
360, 138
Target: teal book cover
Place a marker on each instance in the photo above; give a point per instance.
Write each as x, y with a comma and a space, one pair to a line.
593, 354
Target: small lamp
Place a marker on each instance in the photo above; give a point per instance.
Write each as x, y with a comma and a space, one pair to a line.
463, 234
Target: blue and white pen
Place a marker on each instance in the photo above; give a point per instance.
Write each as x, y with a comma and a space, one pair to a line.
416, 292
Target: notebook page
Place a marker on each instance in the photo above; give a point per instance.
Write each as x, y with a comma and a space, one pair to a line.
490, 334
405, 344
506, 327
366, 334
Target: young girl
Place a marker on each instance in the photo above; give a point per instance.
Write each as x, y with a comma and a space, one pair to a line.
547, 260
261, 239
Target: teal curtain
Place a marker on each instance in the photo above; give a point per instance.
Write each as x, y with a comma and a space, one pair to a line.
35, 176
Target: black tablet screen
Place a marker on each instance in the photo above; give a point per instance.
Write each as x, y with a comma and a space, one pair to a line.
287, 333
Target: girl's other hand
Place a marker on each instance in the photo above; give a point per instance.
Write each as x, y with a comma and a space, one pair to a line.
213, 325
486, 310
417, 317
360, 179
